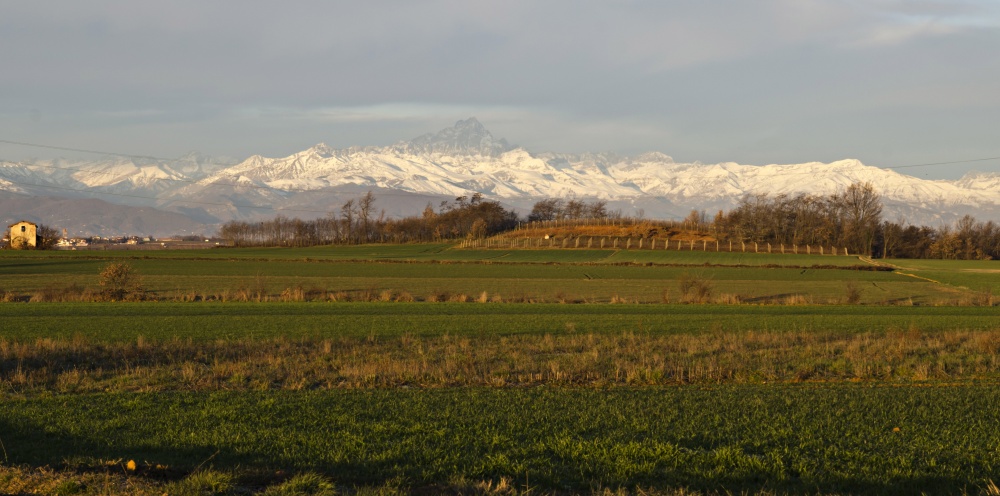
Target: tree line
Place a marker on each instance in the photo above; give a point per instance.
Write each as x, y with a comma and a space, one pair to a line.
851, 219
848, 219
967, 239
572, 209
357, 221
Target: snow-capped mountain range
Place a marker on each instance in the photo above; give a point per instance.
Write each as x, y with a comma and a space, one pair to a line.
467, 159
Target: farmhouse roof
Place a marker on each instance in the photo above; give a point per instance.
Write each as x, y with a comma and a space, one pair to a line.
24, 221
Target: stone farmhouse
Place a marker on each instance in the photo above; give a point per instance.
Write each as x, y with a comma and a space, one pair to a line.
23, 235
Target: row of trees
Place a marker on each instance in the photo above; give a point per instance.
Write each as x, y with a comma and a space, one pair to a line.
851, 218
355, 222
967, 239
358, 222
573, 209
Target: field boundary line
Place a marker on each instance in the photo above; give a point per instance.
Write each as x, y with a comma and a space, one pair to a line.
870, 260
899, 270
495, 260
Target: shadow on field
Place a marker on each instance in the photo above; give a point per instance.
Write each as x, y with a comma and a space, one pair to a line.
770, 298
900, 487
33, 445
53, 267
29, 439
27, 444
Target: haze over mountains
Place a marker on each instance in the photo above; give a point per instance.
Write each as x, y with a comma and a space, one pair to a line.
197, 194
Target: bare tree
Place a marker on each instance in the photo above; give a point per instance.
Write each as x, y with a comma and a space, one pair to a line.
574, 209
366, 206
892, 233
549, 209
347, 215
863, 211
598, 209
46, 237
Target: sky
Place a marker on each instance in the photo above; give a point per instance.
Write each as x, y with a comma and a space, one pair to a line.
892, 83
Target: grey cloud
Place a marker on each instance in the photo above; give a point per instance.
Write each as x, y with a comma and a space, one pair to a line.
757, 82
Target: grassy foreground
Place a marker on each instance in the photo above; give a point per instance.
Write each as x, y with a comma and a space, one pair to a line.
844, 438
422, 369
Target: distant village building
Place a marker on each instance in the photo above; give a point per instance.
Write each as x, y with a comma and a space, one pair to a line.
23, 235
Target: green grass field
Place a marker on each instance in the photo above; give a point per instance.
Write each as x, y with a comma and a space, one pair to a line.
439, 272
448, 252
208, 321
850, 439
427, 369
980, 275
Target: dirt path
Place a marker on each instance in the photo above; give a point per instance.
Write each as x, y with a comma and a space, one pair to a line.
897, 269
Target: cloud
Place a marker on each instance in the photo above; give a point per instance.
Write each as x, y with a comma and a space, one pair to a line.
379, 113
902, 33
895, 22
720, 80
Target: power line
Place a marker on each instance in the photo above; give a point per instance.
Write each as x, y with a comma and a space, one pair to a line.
943, 163
180, 180
125, 155
214, 183
22, 183
66, 148
161, 159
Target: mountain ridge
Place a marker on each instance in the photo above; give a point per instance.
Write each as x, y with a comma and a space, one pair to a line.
465, 159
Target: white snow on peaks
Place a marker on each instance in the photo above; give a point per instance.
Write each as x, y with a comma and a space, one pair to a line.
517, 173
989, 181
466, 159
468, 137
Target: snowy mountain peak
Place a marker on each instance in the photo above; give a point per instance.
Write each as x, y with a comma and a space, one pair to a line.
468, 137
465, 159
980, 180
196, 157
321, 149
655, 157
979, 175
